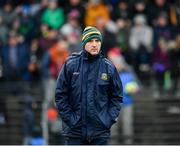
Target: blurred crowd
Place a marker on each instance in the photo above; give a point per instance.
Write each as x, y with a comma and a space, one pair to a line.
37, 36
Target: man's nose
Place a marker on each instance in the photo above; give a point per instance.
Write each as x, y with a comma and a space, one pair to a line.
94, 43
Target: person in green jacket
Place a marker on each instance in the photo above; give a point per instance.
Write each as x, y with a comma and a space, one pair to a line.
53, 16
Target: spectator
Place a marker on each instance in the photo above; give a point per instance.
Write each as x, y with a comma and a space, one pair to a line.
15, 57
76, 5
72, 31
94, 10
52, 62
143, 65
54, 58
130, 86
123, 35
8, 14
26, 24
139, 8
161, 64
155, 8
53, 16
121, 10
140, 33
42, 6
162, 29
48, 38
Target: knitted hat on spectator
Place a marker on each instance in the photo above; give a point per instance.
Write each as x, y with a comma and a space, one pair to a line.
90, 33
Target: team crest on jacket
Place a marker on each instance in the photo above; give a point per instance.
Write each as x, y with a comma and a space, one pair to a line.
104, 76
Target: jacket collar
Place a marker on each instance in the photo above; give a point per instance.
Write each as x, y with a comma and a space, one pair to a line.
88, 56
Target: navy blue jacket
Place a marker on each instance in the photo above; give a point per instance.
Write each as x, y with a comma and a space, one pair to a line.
88, 96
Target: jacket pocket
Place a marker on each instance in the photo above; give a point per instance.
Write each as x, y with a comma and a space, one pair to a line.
106, 120
103, 86
74, 120
103, 119
73, 127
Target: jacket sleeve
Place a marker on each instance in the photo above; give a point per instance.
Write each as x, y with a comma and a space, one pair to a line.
115, 95
61, 95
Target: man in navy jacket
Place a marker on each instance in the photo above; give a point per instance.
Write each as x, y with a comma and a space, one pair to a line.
88, 94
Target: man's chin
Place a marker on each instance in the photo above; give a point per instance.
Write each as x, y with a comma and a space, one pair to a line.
94, 53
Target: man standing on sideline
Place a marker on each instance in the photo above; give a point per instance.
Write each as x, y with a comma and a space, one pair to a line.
88, 94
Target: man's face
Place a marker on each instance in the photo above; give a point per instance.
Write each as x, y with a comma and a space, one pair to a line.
93, 46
